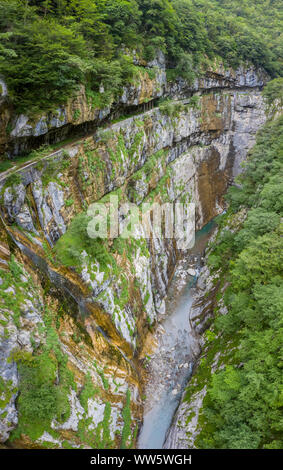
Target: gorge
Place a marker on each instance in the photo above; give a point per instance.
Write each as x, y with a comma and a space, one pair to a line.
111, 343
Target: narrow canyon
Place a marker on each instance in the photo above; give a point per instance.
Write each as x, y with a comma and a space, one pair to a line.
118, 323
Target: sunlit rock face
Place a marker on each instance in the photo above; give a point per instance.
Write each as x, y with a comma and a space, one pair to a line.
100, 308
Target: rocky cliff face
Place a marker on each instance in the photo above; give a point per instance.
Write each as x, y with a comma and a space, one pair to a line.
81, 114
80, 311
208, 298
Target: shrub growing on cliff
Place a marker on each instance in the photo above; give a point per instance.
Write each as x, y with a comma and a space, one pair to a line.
274, 91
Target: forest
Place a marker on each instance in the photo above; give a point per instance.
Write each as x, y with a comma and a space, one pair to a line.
49, 47
243, 406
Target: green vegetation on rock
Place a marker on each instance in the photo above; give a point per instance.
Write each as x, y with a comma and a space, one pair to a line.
48, 48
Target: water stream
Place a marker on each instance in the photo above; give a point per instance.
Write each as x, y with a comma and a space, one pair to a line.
170, 365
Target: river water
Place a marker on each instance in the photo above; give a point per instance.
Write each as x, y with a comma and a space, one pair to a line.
170, 366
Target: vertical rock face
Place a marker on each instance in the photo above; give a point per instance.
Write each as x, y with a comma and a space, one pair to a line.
85, 314
248, 119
